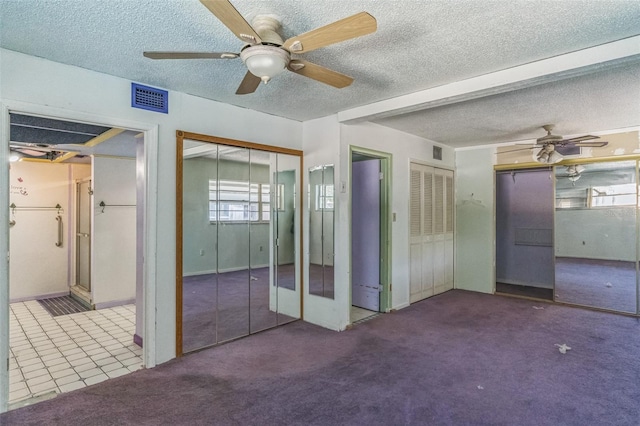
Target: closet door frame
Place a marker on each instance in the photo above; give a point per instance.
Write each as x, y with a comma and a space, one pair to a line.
181, 136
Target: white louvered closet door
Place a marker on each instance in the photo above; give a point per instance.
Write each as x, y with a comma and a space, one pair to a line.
431, 231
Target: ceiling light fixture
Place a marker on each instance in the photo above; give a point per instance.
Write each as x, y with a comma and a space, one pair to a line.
265, 62
15, 156
548, 155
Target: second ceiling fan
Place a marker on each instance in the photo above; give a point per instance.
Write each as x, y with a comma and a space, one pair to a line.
548, 145
266, 54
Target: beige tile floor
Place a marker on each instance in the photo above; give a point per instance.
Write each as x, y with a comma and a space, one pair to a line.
359, 314
50, 355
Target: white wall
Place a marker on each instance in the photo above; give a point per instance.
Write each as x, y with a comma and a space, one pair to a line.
35, 83
404, 148
113, 239
39, 268
475, 219
328, 142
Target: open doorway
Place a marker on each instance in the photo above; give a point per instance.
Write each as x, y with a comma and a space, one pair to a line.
524, 233
85, 176
370, 255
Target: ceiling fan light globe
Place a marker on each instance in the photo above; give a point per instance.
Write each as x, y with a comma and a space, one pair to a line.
554, 157
543, 156
265, 62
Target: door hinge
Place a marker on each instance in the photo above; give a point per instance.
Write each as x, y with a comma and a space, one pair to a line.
381, 175
390, 287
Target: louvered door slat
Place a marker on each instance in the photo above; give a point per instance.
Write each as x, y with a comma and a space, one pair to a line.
427, 209
414, 214
438, 216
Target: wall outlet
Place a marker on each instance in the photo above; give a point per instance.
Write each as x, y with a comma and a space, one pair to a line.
261, 248
201, 252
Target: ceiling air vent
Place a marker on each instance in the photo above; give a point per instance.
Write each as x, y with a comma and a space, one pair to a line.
437, 153
149, 98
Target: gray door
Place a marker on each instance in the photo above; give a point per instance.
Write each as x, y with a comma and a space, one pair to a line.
83, 234
365, 234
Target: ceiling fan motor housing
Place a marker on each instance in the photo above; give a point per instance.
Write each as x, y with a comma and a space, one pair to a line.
267, 59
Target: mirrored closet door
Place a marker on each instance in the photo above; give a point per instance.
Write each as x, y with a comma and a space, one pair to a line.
321, 231
238, 266
596, 235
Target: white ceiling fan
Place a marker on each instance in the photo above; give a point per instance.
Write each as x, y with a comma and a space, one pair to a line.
265, 53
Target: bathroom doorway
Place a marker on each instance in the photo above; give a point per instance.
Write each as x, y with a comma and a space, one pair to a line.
370, 254
57, 345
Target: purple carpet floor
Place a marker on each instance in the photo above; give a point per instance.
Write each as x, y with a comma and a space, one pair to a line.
455, 359
606, 284
225, 306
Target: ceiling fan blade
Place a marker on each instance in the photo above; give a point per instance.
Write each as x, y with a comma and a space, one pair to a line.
229, 16
598, 144
515, 150
581, 138
32, 152
354, 26
321, 74
190, 55
249, 84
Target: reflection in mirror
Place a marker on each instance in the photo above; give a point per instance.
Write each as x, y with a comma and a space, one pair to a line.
595, 235
239, 228
321, 231
199, 254
284, 233
261, 317
233, 194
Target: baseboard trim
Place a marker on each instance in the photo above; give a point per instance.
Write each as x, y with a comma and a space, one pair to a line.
114, 303
137, 340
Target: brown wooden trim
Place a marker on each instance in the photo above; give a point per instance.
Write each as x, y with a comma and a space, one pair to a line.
180, 137
241, 144
179, 219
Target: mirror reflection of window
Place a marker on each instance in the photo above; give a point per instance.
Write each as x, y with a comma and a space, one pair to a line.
321, 230
240, 249
229, 201
324, 197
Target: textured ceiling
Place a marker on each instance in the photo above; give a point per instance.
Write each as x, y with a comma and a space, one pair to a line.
418, 45
597, 102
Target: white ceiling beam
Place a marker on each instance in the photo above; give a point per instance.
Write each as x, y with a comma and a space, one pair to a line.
548, 70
